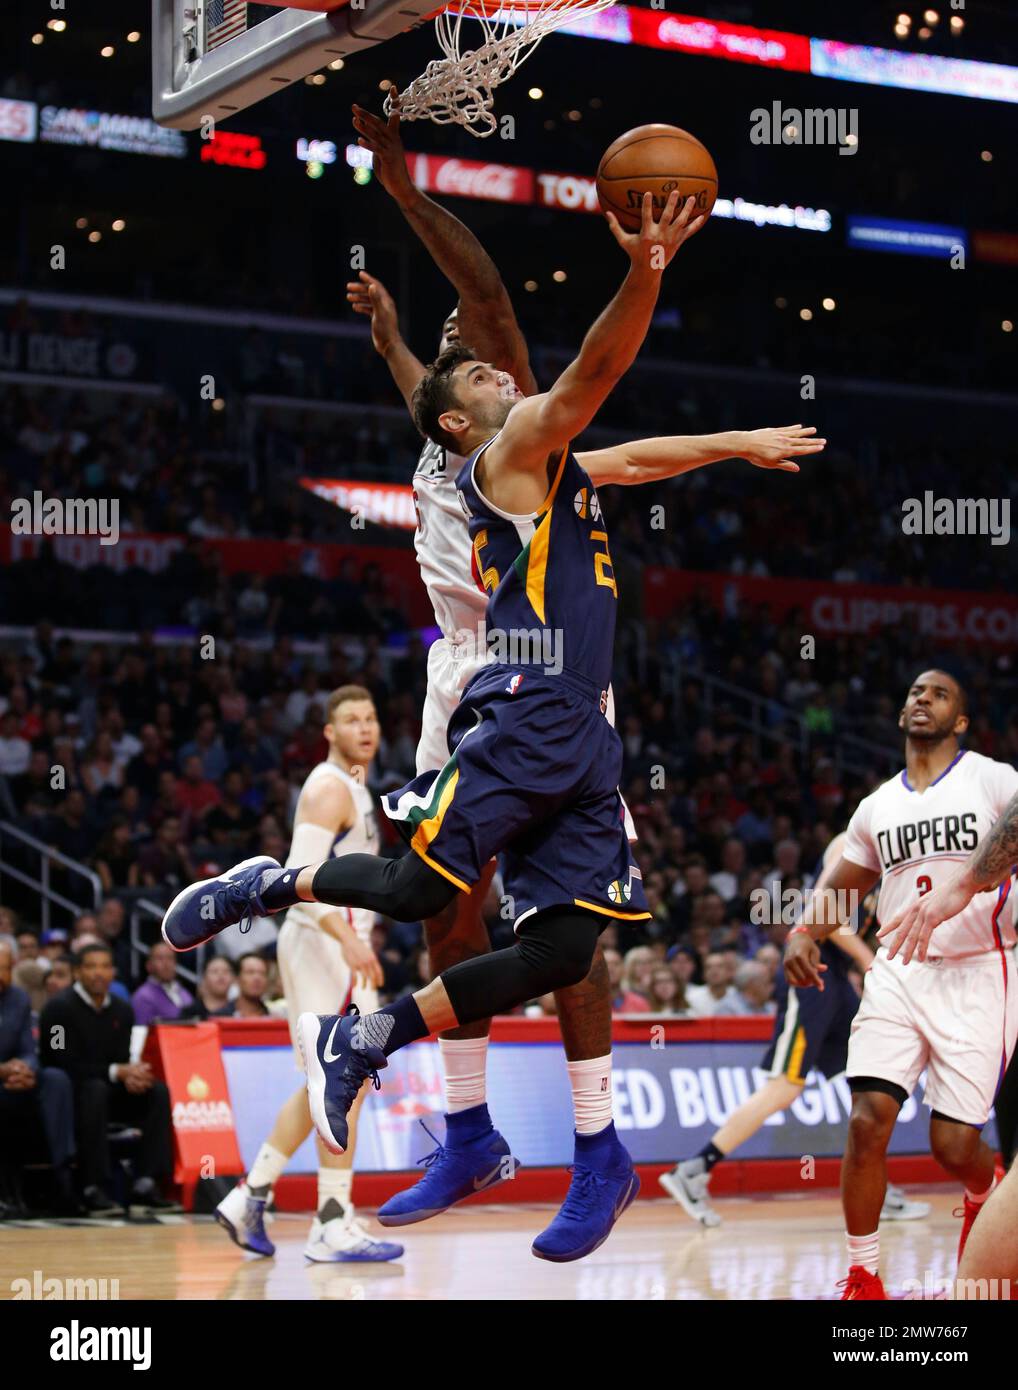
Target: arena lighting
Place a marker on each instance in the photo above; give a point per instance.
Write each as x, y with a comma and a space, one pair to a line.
38, 38
901, 30
118, 224
829, 303
336, 64
530, 286
957, 24
106, 52
95, 236
905, 19
1007, 326
806, 315
931, 17
57, 25
134, 36
219, 403
986, 156
535, 94
781, 302
81, 223
925, 33
362, 176
559, 276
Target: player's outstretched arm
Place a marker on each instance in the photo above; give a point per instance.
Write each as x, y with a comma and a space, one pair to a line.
322, 812
369, 296
830, 906
910, 931
546, 423
668, 456
486, 315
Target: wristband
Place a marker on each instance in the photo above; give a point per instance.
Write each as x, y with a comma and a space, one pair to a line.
800, 928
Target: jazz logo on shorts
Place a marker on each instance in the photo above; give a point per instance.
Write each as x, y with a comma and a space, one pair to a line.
619, 892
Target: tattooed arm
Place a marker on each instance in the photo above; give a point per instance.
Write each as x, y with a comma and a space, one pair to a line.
988, 865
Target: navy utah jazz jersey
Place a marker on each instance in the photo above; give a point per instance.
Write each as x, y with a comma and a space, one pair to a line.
550, 571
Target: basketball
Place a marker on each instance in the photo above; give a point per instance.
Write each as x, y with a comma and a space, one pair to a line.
655, 159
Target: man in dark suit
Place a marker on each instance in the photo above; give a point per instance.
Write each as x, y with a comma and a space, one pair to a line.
86, 1032
28, 1091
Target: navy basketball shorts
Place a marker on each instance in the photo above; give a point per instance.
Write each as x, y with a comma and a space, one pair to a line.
811, 1030
533, 776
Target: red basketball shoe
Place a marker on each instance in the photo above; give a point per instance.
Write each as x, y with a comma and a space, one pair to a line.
970, 1211
862, 1285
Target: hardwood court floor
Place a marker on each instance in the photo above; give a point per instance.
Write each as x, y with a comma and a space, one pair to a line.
771, 1247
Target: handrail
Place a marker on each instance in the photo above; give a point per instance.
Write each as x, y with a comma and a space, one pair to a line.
849, 751
48, 855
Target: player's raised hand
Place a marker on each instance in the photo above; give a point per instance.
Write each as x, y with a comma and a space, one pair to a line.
654, 245
910, 931
802, 961
779, 447
369, 296
383, 139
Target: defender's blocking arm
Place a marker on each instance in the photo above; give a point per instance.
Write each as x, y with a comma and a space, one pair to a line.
487, 319
369, 296
652, 460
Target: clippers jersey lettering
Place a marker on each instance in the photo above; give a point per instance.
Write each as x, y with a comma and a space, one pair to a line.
548, 575
917, 840
443, 545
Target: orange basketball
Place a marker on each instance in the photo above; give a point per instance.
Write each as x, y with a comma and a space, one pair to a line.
655, 159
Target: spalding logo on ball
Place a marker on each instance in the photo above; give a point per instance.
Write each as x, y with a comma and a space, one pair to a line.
655, 159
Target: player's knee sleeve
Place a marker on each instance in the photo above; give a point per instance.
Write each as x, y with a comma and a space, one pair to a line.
552, 952
405, 889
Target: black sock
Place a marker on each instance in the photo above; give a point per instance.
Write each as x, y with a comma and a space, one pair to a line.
282, 892
395, 1025
711, 1155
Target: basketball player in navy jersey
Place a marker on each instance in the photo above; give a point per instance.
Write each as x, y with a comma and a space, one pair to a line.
535, 765
474, 1155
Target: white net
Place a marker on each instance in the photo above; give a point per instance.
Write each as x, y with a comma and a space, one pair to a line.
458, 88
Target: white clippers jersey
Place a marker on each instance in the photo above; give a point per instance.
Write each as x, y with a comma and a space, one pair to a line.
361, 838
916, 840
443, 545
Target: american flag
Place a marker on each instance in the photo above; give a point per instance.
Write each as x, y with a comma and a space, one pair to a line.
224, 19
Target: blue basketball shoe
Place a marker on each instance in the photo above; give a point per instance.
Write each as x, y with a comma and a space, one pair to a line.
474, 1158
242, 1217
339, 1054
203, 910
604, 1183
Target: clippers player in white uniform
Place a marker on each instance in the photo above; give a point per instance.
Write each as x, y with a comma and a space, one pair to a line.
485, 318
954, 1014
325, 963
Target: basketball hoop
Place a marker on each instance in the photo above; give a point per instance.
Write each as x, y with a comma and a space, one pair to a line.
457, 89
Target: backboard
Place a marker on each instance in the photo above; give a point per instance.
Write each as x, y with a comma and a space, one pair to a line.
216, 57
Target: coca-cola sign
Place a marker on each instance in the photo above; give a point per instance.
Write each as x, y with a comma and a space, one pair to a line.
470, 178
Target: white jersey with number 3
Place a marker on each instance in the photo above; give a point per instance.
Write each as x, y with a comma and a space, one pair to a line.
916, 840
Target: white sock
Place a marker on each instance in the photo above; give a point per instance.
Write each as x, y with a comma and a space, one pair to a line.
338, 1183
465, 1062
980, 1197
267, 1167
865, 1251
591, 1081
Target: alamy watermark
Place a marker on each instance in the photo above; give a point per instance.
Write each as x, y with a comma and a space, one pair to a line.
777, 125
957, 516
66, 516
514, 646
769, 907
